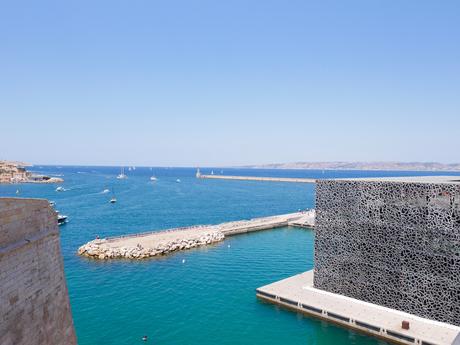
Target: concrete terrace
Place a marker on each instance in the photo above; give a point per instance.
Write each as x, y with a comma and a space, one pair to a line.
298, 293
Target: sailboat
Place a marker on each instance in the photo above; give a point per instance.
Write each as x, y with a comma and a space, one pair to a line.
122, 175
153, 177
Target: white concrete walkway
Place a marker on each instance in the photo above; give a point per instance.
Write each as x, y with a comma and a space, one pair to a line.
298, 292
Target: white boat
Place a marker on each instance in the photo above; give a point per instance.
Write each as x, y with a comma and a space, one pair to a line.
122, 175
105, 191
113, 200
60, 189
134, 168
153, 178
61, 219
178, 180
212, 172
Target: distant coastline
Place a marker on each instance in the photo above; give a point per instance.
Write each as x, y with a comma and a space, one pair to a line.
390, 166
15, 172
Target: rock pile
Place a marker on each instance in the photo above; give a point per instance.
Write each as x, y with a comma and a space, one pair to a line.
101, 249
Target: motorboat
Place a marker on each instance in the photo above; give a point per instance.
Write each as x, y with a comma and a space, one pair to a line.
61, 219
153, 178
178, 180
60, 189
105, 191
113, 200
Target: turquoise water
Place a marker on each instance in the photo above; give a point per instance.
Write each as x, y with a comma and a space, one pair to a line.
210, 298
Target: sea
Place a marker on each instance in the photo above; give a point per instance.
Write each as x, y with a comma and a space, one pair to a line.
196, 297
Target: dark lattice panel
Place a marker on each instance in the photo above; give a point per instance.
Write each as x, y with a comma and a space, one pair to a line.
391, 243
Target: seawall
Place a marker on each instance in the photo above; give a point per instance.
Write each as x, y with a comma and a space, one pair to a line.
258, 178
34, 303
155, 243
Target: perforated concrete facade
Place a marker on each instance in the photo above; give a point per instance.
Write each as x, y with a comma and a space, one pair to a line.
392, 242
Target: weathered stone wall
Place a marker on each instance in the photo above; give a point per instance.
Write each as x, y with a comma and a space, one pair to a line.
391, 243
34, 304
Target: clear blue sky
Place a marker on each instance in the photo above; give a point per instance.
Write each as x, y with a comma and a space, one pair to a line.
185, 83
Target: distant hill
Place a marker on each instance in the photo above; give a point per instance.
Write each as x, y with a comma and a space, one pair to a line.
399, 166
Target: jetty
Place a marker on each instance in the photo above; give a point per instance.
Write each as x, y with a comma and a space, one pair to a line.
156, 243
258, 178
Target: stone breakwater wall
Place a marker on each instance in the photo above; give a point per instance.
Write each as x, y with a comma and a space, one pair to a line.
34, 303
258, 178
101, 249
156, 243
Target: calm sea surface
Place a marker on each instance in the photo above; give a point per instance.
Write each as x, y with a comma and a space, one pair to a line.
209, 299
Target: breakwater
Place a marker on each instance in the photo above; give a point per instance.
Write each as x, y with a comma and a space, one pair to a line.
156, 243
258, 178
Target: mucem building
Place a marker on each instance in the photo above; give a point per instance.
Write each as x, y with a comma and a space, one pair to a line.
394, 242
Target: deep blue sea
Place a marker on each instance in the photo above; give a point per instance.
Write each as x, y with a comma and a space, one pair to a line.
209, 299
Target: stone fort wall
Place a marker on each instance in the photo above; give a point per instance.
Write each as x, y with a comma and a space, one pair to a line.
34, 303
391, 243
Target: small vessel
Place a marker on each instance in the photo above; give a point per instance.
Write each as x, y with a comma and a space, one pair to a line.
178, 180
134, 168
113, 200
105, 191
153, 178
17, 191
212, 172
61, 219
122, 175
60, 189
52, 203
129, 168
